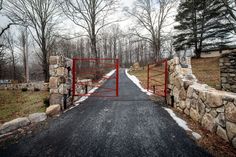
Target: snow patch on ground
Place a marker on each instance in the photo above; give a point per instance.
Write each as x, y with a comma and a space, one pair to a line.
110, 73
196, 135
136, 81
178, 120
182, 123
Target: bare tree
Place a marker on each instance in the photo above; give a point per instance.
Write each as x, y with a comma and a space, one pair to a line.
10, 45
104, 40
23, 47
90, 15
3, 58
4, 29
116, 35
151, 17
40, 16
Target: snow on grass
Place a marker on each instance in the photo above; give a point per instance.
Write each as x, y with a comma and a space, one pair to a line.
182, 123
136, 81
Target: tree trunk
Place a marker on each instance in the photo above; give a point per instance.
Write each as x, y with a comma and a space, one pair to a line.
94, 46
25, 55
105, 47
158, 50
198, 53
45, 61
94, 50
155, 50
13, 65
45, 68
114, 48
159, 45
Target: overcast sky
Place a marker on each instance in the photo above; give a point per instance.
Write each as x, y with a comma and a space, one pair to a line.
70, 28
69, 25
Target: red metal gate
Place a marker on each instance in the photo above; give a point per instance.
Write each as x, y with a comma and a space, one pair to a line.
157, 78
89, 74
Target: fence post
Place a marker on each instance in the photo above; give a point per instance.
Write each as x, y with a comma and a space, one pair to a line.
117, 77
148, 77
86, 89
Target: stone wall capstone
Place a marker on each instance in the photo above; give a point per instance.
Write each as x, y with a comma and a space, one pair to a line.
60, 81
228, 72
215, 110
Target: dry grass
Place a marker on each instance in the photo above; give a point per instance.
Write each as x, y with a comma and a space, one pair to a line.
158, 77
207, 71
14, 104
141, 74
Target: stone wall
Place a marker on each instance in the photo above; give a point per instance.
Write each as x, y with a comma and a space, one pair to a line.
215, 110
228, 72
60, 81
29, 86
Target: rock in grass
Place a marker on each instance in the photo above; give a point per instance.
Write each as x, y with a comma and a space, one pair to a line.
53, 110
37, 117
14, 124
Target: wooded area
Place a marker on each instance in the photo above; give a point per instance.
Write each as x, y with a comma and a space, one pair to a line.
35, 30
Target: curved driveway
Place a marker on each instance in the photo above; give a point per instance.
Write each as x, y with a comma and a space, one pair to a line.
128, 126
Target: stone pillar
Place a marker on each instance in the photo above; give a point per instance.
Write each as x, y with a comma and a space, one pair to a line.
60, 80
228, 72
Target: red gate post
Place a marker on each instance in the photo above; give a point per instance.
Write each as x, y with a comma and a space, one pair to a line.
117, 77
166, 75
73, 76
148, 68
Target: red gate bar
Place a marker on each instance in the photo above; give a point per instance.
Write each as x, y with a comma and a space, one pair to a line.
148, 77
117, 77
73, 78
166, 76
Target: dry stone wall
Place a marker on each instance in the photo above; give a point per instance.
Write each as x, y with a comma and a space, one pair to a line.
29, 86
228, 72
60, 81
215, 110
